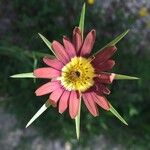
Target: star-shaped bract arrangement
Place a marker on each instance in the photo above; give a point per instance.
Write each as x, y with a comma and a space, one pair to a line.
76, 75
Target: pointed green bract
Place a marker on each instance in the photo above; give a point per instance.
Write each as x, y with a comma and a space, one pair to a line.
77, 121
23, 75
47, 43
39, 112
124, 77
82, 18
114, 111
115, 41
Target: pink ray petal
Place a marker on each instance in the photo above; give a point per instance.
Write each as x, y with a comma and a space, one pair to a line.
77, 39
88, 43
52, 103
73, 104
46, 72
63, 102
106, 77
101, 101
60, 52
107, 65
55, 95
90, 104
47, 88
54, 63
69, 47
104, 55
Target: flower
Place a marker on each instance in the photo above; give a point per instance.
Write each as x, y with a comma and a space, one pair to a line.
90, 2
143, 12
74, 73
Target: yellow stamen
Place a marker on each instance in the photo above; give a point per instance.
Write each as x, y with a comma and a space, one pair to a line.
78, 74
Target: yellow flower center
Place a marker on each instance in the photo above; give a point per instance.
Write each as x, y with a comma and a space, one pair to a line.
77, 74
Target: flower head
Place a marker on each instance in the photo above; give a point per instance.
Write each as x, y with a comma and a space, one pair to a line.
143, 12
90, 2
74, 73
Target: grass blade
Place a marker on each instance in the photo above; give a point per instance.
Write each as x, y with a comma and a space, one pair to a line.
34, 65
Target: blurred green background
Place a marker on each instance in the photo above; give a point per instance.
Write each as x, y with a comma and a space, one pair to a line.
20, 21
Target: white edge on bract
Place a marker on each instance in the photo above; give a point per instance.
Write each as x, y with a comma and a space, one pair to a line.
39, 112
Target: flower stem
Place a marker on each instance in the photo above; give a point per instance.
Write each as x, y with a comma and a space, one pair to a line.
77, 120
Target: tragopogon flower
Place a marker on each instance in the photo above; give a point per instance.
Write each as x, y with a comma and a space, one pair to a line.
74, 73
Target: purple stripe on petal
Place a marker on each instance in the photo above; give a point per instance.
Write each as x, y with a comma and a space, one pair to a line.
73, 104
69, 47
101, 88
54, 63
63, 102
46, 72
47, 88
60, 52
88, 43
90, 104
